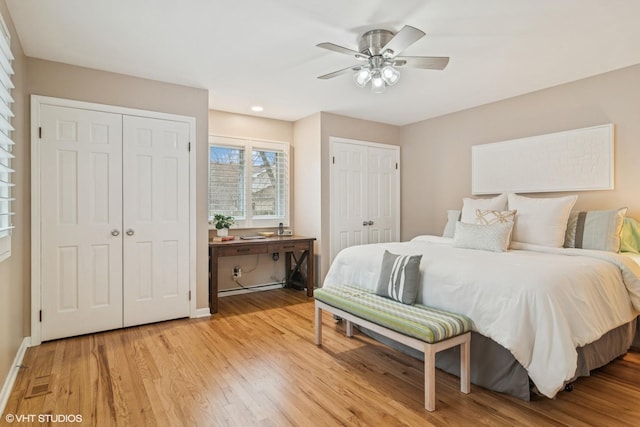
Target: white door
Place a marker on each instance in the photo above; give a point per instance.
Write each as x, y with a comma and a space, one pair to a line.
156, 220
365, 204
348, 196
81, 221
382, 195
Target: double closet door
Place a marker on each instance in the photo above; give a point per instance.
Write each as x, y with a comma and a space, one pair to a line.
365, 193
114, 220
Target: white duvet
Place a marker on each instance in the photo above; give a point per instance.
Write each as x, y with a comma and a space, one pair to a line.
539, 303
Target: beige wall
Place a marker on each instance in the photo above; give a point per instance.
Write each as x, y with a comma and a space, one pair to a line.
14, 272
306, 176
85, 84
344, 127
257, 269
436, 153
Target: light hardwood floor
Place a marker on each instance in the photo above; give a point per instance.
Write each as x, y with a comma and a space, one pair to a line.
255, 364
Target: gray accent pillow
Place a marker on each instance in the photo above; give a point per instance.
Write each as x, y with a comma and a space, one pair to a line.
399, 277
598, 230
452, 218
487, 237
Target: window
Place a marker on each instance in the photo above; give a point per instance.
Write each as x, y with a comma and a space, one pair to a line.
5, 142
249, 180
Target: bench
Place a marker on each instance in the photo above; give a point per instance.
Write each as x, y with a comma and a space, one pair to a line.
423, 328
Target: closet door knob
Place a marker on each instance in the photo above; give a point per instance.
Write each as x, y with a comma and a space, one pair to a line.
130, 232
365, 223
370, 223
115, 232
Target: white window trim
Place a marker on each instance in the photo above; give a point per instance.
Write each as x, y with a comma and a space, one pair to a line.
7, 58
249, 145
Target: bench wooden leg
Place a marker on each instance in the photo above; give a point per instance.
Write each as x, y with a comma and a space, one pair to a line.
318, 320
465, 364
429, 377
349, 328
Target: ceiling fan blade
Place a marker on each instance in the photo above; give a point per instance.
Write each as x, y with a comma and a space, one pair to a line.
340, 72
335, 48
427, 62
403, 39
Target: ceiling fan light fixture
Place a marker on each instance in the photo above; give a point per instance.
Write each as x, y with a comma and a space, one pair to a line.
380, 49
362, 76
390, 75
377, 83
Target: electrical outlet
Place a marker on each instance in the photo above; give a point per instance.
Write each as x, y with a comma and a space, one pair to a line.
237, 272
287, 233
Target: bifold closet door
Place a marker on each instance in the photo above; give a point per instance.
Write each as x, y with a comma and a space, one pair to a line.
382, 195
156, 219
365, 201
81, 221
348, 196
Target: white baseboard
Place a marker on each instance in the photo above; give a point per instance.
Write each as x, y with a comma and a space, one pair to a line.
7, 387
248, 289
202, 312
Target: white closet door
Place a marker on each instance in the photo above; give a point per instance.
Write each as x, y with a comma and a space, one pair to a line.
156, 220
348, 196
81, 260
365, 201
382, 195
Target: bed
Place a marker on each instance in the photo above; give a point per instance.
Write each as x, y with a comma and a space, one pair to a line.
541, 315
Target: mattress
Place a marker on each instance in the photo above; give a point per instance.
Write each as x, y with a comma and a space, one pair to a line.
540, 304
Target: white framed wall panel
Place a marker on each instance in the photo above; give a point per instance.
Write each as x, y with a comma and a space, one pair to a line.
574, 160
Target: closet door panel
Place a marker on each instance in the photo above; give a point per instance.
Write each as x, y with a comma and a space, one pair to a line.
81, 205
348, 196
382, 191
156, 220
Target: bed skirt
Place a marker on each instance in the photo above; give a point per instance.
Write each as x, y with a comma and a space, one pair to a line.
494, 367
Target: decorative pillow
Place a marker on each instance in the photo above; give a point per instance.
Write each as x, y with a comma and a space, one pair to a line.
452, 218
491, 237
630, 236
541, 221
487, 217
595, 230
469, 206
399, 277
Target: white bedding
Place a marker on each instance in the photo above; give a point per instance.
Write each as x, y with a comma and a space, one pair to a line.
539, 303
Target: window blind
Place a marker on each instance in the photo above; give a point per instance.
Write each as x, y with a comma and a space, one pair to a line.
6, 143
249, 180
226, 181
268, 183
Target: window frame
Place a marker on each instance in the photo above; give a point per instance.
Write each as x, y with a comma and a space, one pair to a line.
249, 145
6, 142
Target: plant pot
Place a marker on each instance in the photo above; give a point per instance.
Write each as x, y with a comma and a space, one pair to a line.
222, 232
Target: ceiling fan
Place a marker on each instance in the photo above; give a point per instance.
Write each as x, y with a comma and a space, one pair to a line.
378, 55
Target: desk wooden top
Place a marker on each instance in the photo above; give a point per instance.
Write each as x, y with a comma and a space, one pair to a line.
275, 239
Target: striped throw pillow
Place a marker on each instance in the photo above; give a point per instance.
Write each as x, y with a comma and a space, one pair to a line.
595, 230
399, 277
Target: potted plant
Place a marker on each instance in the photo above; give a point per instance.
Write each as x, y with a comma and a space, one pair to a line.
222, 224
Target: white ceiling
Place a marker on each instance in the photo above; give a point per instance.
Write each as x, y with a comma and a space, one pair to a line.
248, 52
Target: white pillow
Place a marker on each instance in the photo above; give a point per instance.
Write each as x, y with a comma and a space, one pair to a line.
469, 206
487, 237
541, 221
453, 216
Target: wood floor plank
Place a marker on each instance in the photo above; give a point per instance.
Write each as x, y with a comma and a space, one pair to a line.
254, 363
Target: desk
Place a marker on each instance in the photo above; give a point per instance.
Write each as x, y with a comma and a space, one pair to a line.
287, 244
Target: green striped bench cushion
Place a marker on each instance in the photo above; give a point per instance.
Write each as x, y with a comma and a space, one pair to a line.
419, 321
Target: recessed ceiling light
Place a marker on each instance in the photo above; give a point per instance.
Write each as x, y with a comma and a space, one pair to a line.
257, 108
